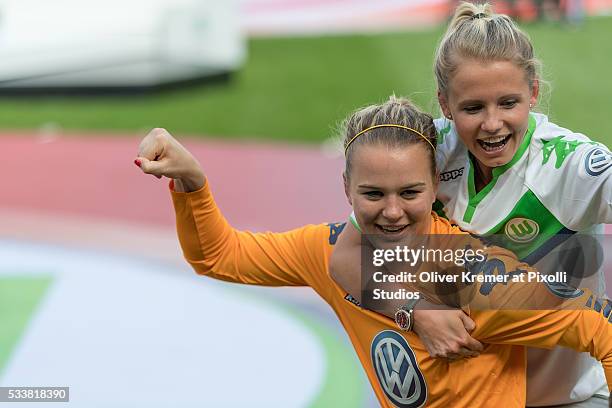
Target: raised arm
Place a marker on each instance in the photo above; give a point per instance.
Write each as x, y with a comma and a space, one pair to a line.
210, 244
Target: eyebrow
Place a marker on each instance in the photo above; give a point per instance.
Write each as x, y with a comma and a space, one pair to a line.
421, 184
471, 101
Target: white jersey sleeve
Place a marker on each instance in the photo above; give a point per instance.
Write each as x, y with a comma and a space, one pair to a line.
445, 145
571, 175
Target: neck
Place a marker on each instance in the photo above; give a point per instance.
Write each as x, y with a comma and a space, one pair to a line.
482, 176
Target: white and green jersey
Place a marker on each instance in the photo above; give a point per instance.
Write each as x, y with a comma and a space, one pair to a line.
557, 182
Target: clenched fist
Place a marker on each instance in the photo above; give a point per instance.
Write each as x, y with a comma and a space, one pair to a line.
160, 154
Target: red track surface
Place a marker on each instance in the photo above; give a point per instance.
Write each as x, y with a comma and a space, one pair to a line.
257, 186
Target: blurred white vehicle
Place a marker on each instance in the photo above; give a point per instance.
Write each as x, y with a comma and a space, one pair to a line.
117, 43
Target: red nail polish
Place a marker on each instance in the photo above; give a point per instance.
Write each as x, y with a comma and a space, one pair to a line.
137, 162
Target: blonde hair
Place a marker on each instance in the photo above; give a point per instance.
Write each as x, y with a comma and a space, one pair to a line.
478, 33
396, 111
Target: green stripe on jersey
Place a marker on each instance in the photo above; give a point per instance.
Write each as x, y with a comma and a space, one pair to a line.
354, 222
476, 198
530, 209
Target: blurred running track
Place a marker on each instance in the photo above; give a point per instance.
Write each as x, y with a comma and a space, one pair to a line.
257, 186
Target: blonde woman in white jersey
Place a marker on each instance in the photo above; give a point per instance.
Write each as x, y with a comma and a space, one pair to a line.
506, 170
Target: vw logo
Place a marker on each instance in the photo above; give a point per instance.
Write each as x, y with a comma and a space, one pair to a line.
597, 161
397, 370
522, 230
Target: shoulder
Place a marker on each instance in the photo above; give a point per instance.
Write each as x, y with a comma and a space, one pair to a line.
562, 152
442, 226
449, 146
318, 234
569, 174
332, 230
546, 131
447, 136
317, 240
309, 246
313, 242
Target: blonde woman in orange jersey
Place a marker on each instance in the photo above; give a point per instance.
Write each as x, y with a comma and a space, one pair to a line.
390, 180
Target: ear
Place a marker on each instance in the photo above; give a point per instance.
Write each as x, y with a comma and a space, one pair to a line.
443, 104
346, 189
535, 91
436, 182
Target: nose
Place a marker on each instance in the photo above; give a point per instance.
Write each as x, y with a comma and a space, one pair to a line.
393, 210
492, 122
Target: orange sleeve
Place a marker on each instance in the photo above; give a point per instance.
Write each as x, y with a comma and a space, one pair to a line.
213, 248
581, 330
580, 321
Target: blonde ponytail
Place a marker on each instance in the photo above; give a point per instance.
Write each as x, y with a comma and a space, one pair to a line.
475, 32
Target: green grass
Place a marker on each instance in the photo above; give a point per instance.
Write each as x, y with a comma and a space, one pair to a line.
19, 297
297, 89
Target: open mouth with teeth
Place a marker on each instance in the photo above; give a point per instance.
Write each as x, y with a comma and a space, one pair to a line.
494, 144
391, 229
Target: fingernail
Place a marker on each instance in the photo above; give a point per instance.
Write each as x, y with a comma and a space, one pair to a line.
137, 162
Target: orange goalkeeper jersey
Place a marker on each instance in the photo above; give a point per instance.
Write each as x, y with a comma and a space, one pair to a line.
397, 364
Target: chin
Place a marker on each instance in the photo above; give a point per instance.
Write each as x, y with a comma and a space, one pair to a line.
498, 162
495, 161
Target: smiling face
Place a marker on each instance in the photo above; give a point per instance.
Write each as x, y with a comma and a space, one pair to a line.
489, 103
392, 190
